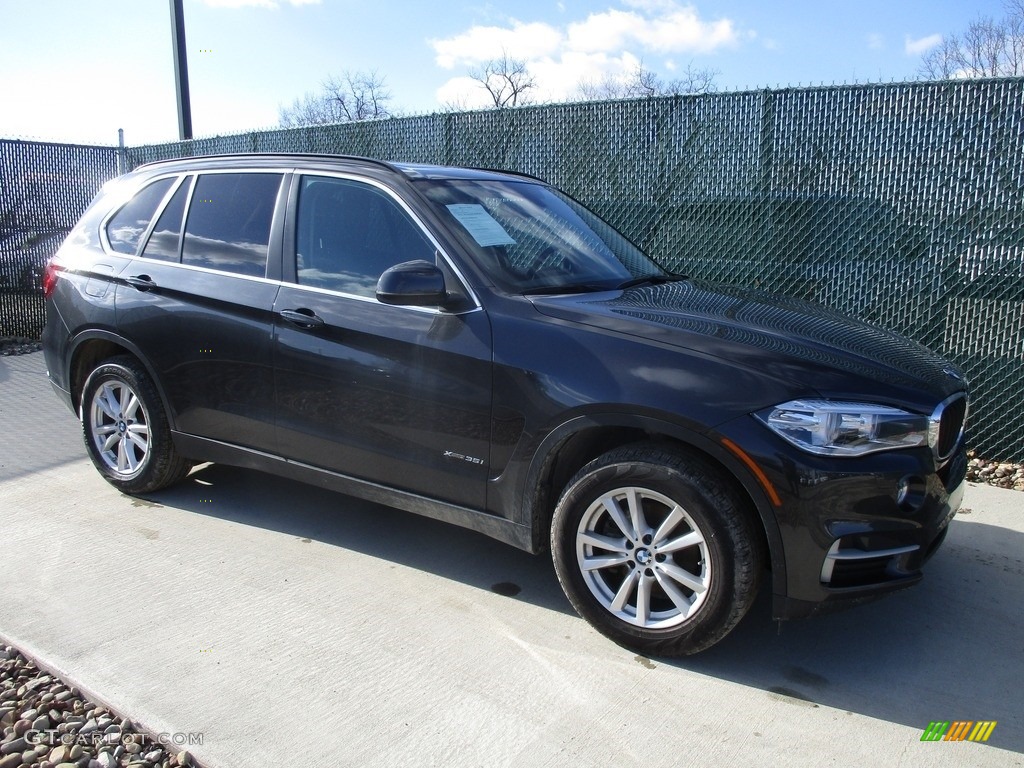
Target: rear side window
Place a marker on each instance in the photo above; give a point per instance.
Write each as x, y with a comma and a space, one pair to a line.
128, 225
228, 225
163, 243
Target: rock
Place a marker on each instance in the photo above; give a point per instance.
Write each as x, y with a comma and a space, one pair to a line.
90, 726
105, 760
62, 696
184, 758
59, 754
10, 761
77, 750
21, 726
14, 745
154, 756
29, 714
132, 748
41, 723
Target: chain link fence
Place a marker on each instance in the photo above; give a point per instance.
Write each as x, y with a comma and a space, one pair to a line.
44, 188
902, 204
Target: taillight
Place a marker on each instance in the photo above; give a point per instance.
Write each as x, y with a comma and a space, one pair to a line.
50, 278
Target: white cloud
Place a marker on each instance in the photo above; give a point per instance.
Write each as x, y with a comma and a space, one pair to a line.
609, 43
480, 44
921, 45
674, 30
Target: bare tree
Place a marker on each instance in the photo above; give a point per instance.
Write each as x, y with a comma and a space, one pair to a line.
988, 48
353, 97
644, 83
507, 80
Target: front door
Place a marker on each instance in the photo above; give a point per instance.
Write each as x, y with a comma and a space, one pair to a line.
395, 395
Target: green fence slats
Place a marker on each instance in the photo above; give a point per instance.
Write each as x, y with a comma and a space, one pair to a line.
902, 204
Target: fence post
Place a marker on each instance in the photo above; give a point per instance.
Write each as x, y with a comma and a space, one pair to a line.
122, 160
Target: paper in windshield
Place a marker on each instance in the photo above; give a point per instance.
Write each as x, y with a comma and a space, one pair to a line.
480, 224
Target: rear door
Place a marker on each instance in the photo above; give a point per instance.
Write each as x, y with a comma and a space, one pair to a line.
395, 395
198, 301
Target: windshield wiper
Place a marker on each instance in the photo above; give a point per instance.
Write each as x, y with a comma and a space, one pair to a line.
650, 280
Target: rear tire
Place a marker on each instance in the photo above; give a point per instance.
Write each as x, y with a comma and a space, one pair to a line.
126, 430
657, 550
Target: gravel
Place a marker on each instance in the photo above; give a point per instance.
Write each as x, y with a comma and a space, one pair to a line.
998, 473
18, 345
49, 724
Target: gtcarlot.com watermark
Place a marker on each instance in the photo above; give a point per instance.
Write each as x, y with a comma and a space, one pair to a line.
55, 738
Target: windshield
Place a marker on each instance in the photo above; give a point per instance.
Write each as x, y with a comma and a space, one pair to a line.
530, 238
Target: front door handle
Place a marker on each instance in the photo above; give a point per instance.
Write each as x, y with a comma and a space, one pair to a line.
142, 282
304, 318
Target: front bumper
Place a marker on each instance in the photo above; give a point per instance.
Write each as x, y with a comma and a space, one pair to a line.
851, 529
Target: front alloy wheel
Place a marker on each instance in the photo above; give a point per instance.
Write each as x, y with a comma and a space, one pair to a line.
643, 557
658, 549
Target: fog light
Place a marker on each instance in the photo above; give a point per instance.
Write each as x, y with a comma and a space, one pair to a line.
911, 493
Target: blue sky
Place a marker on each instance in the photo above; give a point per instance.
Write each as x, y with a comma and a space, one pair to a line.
79, 70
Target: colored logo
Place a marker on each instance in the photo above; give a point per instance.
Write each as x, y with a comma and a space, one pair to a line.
959, 730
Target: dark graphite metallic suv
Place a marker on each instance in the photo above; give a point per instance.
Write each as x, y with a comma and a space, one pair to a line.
479, 348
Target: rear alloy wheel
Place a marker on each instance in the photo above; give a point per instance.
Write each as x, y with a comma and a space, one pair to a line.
126, 430
657, 550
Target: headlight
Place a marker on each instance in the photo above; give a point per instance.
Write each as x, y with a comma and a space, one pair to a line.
845, 429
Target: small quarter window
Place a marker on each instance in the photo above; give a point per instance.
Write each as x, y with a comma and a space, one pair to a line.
229, 218
163, 243
126, 227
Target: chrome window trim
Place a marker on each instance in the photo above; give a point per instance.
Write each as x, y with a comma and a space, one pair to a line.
439, 251
108, 249
208, 270
297, 172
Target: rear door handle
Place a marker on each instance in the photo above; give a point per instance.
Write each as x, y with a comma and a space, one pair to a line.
142, 282
304, 318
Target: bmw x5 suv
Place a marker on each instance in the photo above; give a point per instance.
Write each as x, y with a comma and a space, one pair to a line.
480, 348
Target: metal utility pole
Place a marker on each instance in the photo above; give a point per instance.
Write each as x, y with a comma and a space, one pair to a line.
181, 71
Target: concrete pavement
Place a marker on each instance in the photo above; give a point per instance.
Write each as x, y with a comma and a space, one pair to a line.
291, 626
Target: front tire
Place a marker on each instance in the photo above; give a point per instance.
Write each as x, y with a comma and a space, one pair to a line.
657, 550
126, 430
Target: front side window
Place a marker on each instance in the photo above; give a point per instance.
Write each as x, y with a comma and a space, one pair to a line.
127, 226
229, 219
348, 233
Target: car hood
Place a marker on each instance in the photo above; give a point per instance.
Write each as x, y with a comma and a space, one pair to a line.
797, 342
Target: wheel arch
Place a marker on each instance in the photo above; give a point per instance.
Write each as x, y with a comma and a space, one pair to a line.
89, 349
574, 443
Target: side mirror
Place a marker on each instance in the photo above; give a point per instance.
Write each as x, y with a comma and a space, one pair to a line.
413, 284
